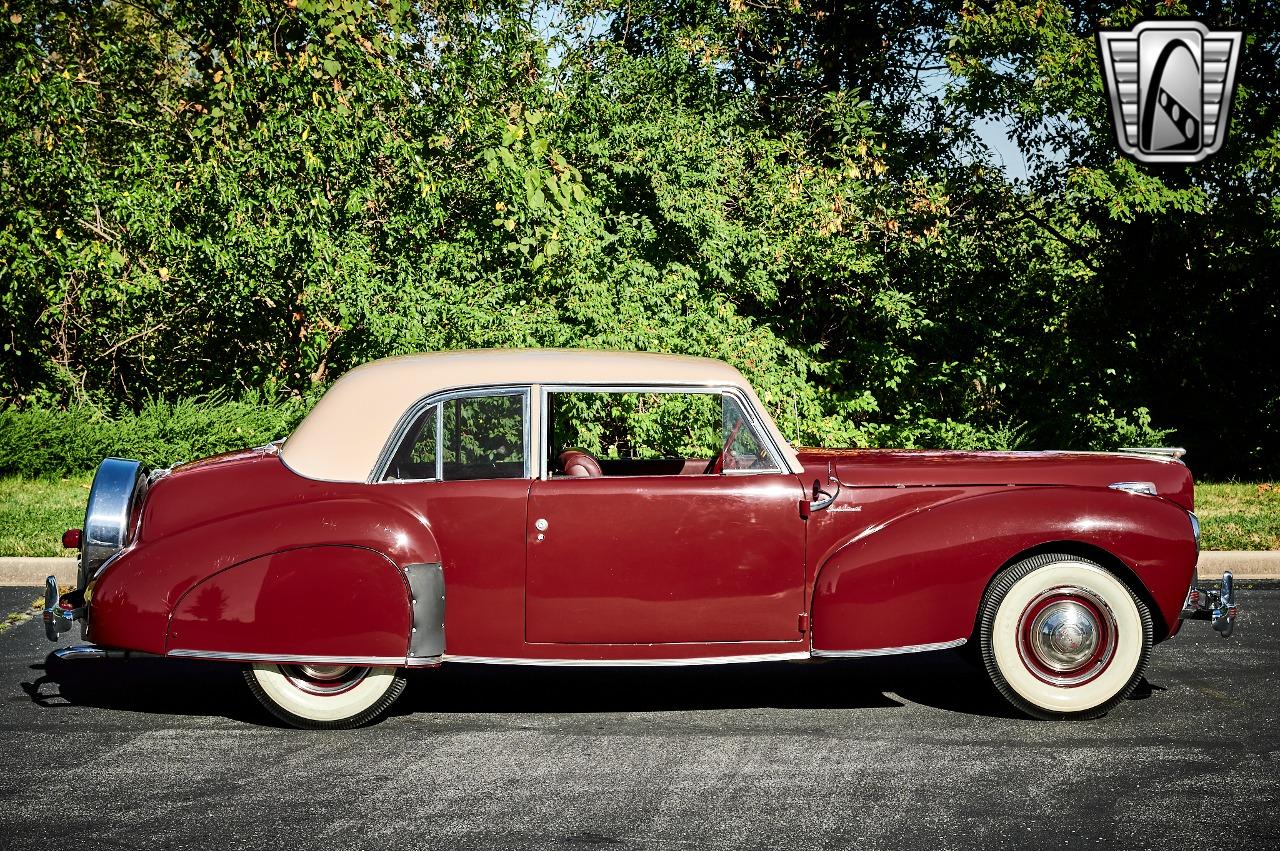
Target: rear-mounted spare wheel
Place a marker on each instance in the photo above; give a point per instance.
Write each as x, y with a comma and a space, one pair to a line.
112, 515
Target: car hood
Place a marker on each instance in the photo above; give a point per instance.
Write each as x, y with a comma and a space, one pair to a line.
926, 467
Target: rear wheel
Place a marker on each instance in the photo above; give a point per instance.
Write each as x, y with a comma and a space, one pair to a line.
1062, 637
324, 696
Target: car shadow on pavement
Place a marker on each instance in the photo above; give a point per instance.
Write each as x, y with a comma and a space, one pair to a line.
941, 680
160, 686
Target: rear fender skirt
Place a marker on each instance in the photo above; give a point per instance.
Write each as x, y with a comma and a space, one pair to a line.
919, 578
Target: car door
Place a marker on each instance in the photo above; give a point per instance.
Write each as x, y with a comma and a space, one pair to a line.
464, 463
667, 558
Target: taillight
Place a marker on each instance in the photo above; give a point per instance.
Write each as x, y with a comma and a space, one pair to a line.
71, 539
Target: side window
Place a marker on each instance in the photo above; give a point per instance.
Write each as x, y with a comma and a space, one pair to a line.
743, 449
417, 455
483, 438
475, 437
657, 433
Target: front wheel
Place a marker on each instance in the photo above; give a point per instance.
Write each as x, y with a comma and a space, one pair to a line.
325, 697
1062, 637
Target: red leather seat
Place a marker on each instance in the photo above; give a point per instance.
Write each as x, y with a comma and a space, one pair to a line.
576, 462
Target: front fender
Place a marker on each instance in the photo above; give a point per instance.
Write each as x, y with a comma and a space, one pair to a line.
919, 578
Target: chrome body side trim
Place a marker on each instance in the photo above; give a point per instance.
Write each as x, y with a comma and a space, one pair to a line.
890, 651
1173, 453
299, 659
1148, 488
629, 663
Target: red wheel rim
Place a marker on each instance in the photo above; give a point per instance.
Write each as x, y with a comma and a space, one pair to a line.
1067, 636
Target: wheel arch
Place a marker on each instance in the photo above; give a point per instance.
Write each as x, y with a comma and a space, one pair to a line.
1094, 552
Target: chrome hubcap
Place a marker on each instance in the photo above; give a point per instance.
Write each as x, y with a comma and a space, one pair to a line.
324, 672
1064, 635
1067, 636
324, 680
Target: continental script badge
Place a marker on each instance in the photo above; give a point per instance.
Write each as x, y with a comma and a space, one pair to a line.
1170, 84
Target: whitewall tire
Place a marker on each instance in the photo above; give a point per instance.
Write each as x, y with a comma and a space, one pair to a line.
1063, 637
325, 696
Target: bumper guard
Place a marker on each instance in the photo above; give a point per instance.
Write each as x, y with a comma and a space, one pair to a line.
60, 610
1216, 605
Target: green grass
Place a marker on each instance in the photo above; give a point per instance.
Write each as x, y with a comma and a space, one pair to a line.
33, 514
1235, 516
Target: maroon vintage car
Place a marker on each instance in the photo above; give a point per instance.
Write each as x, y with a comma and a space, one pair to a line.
592, 508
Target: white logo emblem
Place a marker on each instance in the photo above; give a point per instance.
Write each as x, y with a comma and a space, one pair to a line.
1170, 85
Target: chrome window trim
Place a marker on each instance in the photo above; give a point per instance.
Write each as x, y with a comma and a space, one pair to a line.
763, 435
407, 419
890, 651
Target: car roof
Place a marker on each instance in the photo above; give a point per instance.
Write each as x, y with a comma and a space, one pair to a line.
345, 433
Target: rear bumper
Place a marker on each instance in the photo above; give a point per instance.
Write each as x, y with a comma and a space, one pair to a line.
1215, 605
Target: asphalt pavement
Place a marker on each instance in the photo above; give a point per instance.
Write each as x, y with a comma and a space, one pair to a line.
906, 753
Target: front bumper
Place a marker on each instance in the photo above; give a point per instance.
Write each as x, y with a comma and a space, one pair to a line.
1216, 605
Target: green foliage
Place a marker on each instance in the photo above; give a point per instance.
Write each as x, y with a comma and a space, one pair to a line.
257, 196
1239, 516
40, 442
637, 425
34, 514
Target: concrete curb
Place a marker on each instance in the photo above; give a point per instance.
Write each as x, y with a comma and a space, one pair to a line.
32, 571
1243, 563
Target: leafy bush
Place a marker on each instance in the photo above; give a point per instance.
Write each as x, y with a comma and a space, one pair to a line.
41, 442
198, 198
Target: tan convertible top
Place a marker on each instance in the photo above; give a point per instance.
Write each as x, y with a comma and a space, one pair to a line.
342, 437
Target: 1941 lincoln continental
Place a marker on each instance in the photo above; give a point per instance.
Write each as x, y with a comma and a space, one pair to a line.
593, 508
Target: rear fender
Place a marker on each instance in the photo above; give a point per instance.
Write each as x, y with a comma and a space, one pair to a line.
919, 579
334, 604
132, 599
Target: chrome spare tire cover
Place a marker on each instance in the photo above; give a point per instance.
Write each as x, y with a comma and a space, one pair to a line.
110, 518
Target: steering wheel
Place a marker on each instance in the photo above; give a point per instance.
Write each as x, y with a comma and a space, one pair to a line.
716, 464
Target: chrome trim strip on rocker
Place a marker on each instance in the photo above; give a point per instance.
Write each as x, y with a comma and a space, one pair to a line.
890, 651
630, 663
285, 658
